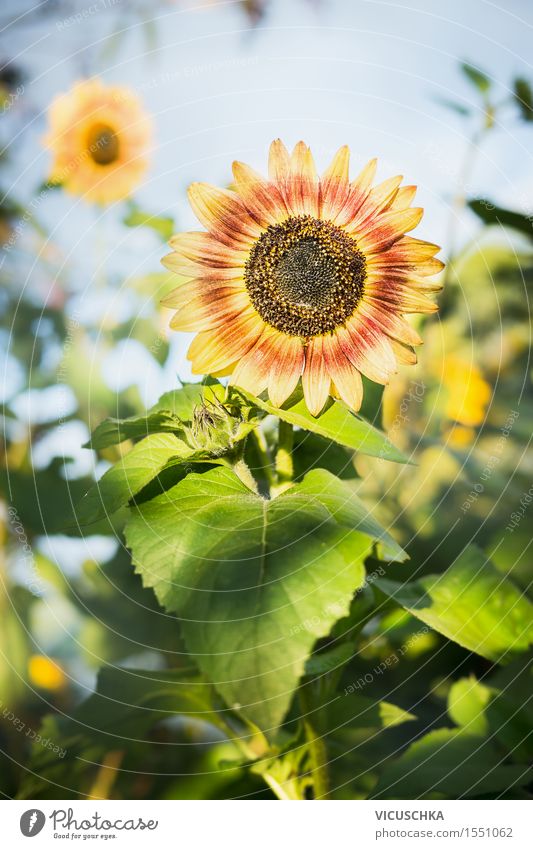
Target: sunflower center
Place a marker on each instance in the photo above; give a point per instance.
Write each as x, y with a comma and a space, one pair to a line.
103, 144
305, 277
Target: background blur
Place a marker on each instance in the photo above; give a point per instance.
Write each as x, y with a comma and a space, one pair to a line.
83, 335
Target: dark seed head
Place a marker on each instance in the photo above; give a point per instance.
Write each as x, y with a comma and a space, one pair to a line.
103, 145
304, 276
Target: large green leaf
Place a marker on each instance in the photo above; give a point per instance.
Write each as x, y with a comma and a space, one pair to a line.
255, 582
472, 604
450, 763
336, 422
136, 469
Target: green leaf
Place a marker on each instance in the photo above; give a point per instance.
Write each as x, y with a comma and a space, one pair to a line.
136, 217
524, 97
341, 501
454, 105
471, 604
449, 763
481, 81
255, 582
491, 214
467, 701
336, 422
112, 431
133, 472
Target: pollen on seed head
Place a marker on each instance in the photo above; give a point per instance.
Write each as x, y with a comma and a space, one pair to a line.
304, 276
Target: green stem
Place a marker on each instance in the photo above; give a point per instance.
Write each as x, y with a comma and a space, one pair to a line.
284, 464
317, 750
262, 451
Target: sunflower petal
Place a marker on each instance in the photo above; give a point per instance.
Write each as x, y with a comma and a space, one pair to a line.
188, 268
214, 350
286, 368
375, 202
334, 184
402, 300
300, 189
368, 350
260, 197
393, 324
223, 214
346, 378
315, 379
203, 249
205, 287
278, 161
252, 371
403, 199
388, 228
356, 195
202, 313
403, 353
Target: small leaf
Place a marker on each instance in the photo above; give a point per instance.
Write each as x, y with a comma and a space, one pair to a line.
255, 582
459, 108
337, 422
467, 701
481, 81
136, 217
114, 431
471, 604
524, 97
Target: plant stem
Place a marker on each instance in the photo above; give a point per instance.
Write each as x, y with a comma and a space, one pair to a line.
284, 464
317, 750
262, 450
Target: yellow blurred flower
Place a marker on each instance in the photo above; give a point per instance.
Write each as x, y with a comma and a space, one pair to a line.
99, 137
460, 437
468, 394
45, 673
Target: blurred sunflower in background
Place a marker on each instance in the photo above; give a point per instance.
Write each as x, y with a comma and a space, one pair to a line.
99, 136
302, 276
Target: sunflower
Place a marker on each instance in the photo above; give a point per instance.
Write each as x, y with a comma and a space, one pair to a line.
99, 136
301, 276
